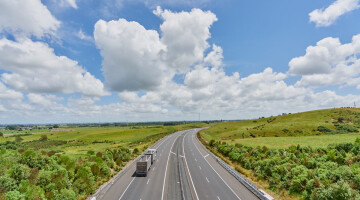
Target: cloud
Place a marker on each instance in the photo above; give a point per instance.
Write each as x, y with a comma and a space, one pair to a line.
132, 55
328, 63
187, 48
28, 17
138, 59
190, 3
214, 58
33, 67
71, 3
83, 36
327, 16
8, 94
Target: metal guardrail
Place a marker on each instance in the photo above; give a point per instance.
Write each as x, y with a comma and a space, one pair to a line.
249, 185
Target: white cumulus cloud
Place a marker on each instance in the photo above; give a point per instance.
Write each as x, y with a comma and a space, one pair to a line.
135, 58
132, 55
327, 16
328, 63
34, 67
28, 17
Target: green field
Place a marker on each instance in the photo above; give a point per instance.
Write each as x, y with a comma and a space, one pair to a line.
290, 129
80, 140
283, 142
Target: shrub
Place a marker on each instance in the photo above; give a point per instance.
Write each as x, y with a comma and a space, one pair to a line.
15, 195
324, 129
43, 138
18, 139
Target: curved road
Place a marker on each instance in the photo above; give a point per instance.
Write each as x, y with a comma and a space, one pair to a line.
183, 170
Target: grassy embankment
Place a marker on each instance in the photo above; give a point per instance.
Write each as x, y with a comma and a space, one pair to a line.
284, 131
310, 155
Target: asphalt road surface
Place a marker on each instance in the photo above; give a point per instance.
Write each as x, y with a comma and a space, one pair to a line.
183, 170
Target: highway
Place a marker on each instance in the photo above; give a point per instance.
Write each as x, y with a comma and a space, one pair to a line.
183, 170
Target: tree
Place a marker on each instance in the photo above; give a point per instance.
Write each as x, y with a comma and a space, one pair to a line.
43, 138
1, 134
18, 138
11, 128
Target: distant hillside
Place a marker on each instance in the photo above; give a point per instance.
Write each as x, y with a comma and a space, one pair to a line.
318, 122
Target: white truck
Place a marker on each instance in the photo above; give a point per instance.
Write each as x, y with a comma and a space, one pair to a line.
152, 153
143, 165
145, 161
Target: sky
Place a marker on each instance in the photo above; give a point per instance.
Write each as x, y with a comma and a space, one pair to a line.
82, 61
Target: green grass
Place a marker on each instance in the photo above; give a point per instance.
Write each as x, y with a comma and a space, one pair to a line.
286, 130
313, 141
24, 131
80, 140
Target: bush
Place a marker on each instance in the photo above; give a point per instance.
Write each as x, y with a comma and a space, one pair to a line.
324, 129
8, 183
15, 195
18, 139
43, 138
136, 151
65, 194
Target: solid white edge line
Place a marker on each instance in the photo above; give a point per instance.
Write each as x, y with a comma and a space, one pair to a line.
192, 183
216, 172
162, 194
127, 188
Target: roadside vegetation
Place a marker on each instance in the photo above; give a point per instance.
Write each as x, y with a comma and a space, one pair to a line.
311, 155
72, 164
340, 124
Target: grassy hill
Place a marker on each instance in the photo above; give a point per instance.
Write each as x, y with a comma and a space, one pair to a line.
328, 124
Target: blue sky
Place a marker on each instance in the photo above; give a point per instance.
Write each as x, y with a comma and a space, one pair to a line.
144, 60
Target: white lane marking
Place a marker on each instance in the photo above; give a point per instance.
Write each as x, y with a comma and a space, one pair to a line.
195, 160
207, 180
206, 156
173, 153
126, 188
192, 183
218, 197
147, 181
200, 167
153, 168
162, 194
182, 156
217, 173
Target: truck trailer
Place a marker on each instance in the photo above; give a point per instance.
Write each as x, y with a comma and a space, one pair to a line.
143, 165
152, 153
